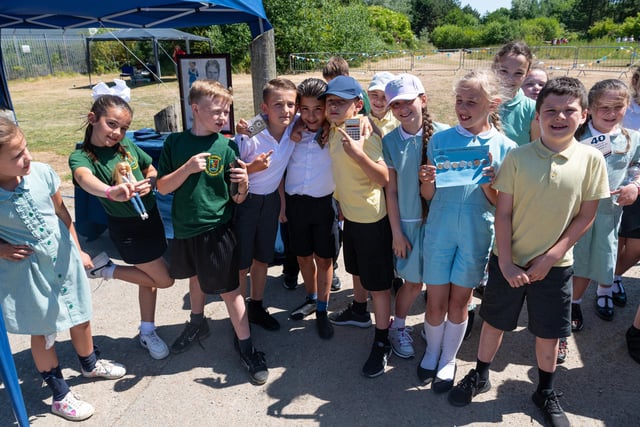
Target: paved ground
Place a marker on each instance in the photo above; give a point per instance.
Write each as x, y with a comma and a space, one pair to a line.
314, 382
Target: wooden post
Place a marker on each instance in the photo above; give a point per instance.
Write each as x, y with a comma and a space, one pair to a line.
166, 120
263, 65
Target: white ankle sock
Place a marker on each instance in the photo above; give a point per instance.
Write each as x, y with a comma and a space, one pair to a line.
147, 327
107, 272
398, 322
601, 291
615, 287
434, 336
452, 339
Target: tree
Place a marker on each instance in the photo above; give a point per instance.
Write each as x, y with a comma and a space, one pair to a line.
428, 14
524, 9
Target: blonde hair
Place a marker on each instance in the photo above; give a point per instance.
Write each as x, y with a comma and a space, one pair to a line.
208, 89
116, 176
491, 88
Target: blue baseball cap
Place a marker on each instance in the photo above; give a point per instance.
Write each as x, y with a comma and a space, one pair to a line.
344, 87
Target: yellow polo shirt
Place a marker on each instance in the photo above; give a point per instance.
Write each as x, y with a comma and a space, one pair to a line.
547, 190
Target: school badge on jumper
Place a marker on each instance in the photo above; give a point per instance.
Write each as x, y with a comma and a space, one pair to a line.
214, 165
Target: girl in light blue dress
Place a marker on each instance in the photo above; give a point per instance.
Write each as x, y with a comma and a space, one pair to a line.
595, 252
44, 289
459, 229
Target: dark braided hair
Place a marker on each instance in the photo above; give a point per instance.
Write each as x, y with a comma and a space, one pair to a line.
100, 108
596, 91
427, 133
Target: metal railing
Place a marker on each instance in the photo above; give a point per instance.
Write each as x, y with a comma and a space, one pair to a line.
566, 59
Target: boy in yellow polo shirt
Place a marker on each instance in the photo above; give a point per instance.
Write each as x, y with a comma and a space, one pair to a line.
360, 175
548, 193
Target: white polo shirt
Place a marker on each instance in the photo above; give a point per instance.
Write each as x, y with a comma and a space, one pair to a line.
309, 171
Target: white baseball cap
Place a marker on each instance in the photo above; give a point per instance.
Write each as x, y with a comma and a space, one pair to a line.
405, 87
380, 80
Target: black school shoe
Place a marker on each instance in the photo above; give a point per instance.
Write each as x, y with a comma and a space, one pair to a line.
619, 298
606, 312
553, 413
633, 343
442, 386
324, 326
261, 317
377, 361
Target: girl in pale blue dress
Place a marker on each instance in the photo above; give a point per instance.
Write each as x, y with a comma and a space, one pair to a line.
44, 289
459, 229
595, 253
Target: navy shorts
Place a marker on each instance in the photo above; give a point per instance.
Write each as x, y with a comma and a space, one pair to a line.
367, 251
256, 225
548, 302
212, 256
311, 227
138, 241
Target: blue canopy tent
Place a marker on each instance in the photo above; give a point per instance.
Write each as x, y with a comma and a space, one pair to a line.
67, 14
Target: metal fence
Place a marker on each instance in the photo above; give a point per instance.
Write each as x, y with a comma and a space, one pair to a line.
41, 55
567, 59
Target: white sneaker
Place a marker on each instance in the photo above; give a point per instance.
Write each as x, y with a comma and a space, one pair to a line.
158, 349
106, 369
72, 408
100, 261
401, 341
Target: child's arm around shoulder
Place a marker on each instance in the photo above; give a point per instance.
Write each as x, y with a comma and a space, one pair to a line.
376, 171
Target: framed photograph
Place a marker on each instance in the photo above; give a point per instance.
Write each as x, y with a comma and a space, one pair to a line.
199, 67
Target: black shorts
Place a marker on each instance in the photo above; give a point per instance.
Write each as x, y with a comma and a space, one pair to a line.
256, 225
212, 256
367, 252
138, 241
312, 227
630, 222
548, 302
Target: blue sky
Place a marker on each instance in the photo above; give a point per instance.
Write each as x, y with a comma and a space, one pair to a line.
483, 6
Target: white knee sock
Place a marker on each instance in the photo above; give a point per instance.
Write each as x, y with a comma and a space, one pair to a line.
434, 336
453, 336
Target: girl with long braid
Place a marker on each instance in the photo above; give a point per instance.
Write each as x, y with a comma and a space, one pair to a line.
404, 151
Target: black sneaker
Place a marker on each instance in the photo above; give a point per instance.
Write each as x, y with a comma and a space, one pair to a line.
325, 328
350, 317
377, 361
577, 322
256, 364
192, 332
633, 343
290, 282
261, 317
467, 389
307, 307
553, 413
335, 283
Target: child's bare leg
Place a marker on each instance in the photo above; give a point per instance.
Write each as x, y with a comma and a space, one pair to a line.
258, 279
324, 276
546, 353
82, 339
580, 285
405, 298
147, 301
152, 274
242, 276
197, 298
359, 293
237, 313
45, 360
309, 274
490, 341
382, 308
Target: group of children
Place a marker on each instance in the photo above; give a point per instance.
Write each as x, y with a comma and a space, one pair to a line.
386, 166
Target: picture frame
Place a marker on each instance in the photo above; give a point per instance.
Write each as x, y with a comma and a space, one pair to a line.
198, 67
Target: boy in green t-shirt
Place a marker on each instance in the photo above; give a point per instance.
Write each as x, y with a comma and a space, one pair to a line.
201, 168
